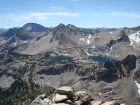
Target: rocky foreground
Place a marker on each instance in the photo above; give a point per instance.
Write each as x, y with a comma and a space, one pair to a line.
67, 96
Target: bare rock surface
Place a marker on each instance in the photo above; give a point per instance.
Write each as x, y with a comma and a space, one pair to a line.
80, 98
59, 98
41, 100
66, 90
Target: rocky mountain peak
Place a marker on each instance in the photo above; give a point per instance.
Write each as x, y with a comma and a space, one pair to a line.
136, 28
71, 26
124, 37
33, 27
60, 26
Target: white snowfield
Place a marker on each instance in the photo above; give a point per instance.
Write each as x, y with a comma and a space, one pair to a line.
138, 85
89, 36
3, 41
28, 28
93, 47
25, 41
15, 44
88, 42
82, 39
134, 37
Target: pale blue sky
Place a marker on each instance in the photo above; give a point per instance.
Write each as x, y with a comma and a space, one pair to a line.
81, 13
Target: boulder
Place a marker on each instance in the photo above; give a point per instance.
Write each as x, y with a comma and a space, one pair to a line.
82, 97
59, 98
98, 102
41, 100
66, 91
111, 103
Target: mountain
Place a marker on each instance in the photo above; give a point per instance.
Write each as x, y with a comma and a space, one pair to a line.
115, 43
30, 27
26, 70
33, 27
10, 32
2, 31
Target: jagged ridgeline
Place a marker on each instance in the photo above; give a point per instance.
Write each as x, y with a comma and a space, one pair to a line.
70, 40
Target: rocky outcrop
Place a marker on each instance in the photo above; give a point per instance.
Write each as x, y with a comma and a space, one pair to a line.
63, 96
41, 100
66, 91
129, 62
59, 98
112, 72
82, 98
111, 103
123, 38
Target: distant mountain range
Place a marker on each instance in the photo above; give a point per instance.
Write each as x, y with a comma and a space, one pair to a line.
2, 31
33, 38
34, 27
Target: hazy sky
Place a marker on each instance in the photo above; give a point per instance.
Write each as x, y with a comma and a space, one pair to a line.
81, 13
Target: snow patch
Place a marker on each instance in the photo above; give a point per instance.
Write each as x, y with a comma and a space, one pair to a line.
111, 32
93, 47
65, 54
134, 37
28, 28
138, 85
82, 39
15, 44
88, 54
3, 41
44, 33
25, 41
89, 36
107, 54
113, 37
100, 93
88, 42
111, 48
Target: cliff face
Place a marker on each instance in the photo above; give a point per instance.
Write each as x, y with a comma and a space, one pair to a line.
118, 70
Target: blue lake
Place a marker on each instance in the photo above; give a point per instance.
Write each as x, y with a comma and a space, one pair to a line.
101, 59
59, 57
